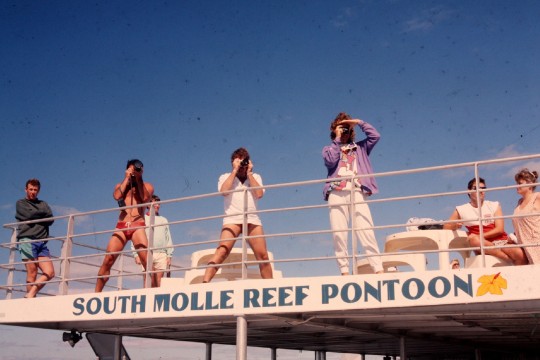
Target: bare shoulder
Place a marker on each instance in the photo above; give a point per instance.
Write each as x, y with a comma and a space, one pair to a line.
149, 187
536, 203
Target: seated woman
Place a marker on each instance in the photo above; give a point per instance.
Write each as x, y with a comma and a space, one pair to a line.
493, 229
528, 228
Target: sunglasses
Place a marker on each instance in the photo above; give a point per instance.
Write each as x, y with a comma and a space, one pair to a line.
480, 187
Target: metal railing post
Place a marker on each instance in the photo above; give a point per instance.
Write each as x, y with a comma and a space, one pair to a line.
480, 214
11, 271
244, 234
352, 217
120, 278
149, 253
65, 255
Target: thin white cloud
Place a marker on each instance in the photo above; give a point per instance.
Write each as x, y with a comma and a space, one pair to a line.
6, 207
428, 19
59, 210
509, 169
508, 151
200, 233
342, 19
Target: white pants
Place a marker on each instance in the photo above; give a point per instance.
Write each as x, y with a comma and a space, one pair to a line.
339, 220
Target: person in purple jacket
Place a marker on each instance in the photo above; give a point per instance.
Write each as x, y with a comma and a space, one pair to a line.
346, 158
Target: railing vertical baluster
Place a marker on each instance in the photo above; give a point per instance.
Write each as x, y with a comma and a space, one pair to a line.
11, 271
120, 278
244, 234
352, 217
150, 253
65, 262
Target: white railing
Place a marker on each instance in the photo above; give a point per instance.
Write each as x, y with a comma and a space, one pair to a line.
301, 221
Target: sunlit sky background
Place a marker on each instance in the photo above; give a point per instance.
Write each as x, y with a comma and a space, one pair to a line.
87, 85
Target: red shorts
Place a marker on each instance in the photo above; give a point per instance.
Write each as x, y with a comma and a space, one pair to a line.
128, 225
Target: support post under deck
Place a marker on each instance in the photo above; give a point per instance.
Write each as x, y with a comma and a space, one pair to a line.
118, 347
241, 338
402, 350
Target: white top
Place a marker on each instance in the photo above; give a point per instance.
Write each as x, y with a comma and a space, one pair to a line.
234, 202
467, 211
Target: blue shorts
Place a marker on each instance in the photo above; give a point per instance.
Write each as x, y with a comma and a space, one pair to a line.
34, 250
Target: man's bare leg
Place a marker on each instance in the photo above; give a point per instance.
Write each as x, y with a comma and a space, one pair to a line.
140, 242
31, 273
47, 270
116, 243
474, 241
157, 278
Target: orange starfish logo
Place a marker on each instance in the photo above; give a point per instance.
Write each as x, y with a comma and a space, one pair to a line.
492, 284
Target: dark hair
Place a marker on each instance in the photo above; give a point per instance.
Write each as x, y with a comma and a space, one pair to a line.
34, 182
527, 175
473, 181
155, 198
340, 117
133, 162
240, 153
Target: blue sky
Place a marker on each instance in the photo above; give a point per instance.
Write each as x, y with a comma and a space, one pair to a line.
86, 86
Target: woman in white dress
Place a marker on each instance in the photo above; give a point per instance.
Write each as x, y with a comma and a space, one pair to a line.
527, 228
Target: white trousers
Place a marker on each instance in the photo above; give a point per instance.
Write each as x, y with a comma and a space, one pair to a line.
339, 220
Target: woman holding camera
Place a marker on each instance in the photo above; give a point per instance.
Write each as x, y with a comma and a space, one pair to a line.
346, 158
241, 177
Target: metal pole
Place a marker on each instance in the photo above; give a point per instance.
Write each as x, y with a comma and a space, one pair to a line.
244, 234
241, 338
480, 215
67, 248
208, 351
149, 253
477, 354
118, 347
352, 217
11, 271
402, 351
273, 353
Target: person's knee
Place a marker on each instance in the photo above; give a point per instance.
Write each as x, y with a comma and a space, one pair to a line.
474, 240
143, 254
31, 272
263, 256
108, 262
49, 274
222, 252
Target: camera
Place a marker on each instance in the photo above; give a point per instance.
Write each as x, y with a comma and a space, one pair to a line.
137, 165
345, 130
245, 162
